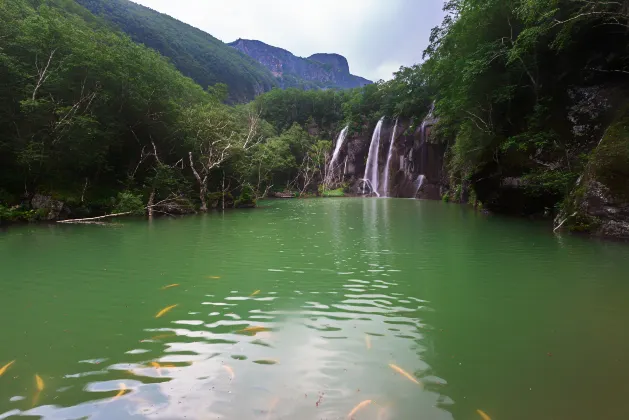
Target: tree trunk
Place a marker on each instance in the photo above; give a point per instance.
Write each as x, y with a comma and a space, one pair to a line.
203, 197
202, 184
150, 204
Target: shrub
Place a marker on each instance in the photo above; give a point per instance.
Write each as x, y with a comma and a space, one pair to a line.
129, 202
339, 192
246, 199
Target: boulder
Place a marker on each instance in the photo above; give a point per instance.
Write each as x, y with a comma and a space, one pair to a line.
601, 213
54, 209
599, 203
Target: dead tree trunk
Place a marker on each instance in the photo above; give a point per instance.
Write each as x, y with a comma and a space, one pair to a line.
202, 184
150, 204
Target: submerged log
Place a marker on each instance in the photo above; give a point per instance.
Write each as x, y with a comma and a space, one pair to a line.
284, 195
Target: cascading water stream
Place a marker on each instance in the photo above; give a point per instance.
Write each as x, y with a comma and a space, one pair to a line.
387, 168
337, 150
418, 184
371, 170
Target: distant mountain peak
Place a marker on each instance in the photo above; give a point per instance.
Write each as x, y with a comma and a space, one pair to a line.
322, 70
337, 61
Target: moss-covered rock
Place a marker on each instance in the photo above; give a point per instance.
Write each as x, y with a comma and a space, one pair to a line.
49, 208
599, 204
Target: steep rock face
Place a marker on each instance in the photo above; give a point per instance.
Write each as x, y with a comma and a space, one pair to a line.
505, 186
599, 203
339, 65
336, 61
413, 155
317, 71
602, 212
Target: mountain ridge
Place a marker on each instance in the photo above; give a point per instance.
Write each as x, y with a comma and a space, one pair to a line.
320, 70
196, 53
208, 60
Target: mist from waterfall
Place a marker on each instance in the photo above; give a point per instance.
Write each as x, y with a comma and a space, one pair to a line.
337, 150
387, 168
371, 170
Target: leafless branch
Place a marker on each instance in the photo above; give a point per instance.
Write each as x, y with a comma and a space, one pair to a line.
607, 71
580, 15
42, 73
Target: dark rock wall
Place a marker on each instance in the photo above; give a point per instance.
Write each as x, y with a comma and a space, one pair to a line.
599, 202
413, 155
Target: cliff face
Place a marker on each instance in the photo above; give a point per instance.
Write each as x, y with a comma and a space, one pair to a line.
316, 71
599, 202
414, 154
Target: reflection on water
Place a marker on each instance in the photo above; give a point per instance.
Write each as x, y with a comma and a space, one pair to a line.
313, 309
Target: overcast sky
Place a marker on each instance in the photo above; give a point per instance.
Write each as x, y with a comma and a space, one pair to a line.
376, 36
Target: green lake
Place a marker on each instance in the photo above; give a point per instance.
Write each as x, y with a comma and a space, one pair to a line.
297, 309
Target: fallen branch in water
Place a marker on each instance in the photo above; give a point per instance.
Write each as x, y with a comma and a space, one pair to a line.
171, 204
92, 219
564, 221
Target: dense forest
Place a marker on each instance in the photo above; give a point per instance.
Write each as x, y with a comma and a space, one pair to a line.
195, 53
529, 96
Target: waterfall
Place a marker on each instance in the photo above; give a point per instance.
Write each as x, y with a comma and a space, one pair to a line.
371, 170
418, 184
339, 143
387, 168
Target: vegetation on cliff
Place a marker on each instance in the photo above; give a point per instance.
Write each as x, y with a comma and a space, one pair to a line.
516, 86
523, 91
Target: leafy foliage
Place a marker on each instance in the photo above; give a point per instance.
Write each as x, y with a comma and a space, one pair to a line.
500, 72
129, 202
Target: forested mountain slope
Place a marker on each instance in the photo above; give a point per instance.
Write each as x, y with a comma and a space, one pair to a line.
91, 121
195, 53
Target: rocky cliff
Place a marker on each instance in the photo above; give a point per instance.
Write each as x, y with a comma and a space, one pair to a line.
599, 203
413, 155
316, 71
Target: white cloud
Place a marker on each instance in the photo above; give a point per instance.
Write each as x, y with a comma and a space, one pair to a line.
376, 36
386, 69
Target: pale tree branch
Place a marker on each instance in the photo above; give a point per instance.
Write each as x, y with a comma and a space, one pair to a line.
42, 74
477, 119
607, 71
194, 171
593, 13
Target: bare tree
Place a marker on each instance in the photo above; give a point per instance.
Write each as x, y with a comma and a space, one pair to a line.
216, 138
313, 167
212, 158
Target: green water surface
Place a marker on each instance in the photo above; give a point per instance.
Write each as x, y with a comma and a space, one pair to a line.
486, 313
